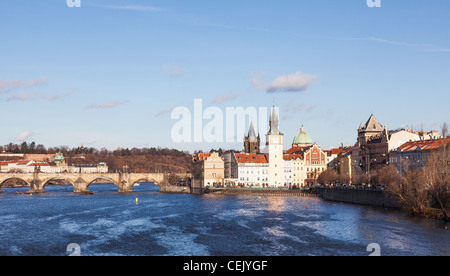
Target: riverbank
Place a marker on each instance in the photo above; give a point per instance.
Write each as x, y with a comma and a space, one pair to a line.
262, 192
375, 198
359, 196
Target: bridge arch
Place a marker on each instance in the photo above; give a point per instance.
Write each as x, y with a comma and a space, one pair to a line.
46, 181
4, 180
91, 181
144, 179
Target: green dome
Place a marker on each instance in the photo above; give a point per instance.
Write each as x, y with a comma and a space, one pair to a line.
302, 138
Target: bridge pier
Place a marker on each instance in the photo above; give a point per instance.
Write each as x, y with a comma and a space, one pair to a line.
36, 185
80, 186
124, 184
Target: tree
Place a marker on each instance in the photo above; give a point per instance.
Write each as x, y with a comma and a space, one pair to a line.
444, 130
420, 189
327, 177
32, 147
344, 177
411, 193
40, 149
388, 175
437, 178
24, 147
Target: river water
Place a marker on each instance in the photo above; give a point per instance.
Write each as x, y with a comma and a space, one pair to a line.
108, 223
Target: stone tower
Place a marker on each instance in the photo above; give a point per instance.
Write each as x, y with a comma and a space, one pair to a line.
251, 141
274, 140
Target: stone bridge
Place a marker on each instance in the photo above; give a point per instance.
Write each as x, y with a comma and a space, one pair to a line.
81, 181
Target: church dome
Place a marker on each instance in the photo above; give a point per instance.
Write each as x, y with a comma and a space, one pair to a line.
302, 138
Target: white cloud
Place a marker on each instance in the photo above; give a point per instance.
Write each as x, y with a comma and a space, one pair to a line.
33, 95
6, 85
23, 136
172, 70
106, 105
163, 112
295, 82
420, 46
21, 97
134, 8
220, 98
293, 107
55, 97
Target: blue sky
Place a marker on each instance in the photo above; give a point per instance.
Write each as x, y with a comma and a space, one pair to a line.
109, 73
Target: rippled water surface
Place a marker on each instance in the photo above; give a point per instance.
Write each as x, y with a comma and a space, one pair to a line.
108, 223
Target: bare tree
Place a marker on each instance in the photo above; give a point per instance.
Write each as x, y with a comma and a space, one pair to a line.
411, 193
327, 177
437, 178
423, 190
444, 130
388, 175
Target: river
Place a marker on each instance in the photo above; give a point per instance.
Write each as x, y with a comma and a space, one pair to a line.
153, 224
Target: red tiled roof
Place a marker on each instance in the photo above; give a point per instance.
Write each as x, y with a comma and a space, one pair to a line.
423, 145
297, 149
5, 163
40, 164
288, 157
201, 157
250, 158
335, 151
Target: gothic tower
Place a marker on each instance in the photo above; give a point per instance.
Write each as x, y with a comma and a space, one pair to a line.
251, 141
274, 140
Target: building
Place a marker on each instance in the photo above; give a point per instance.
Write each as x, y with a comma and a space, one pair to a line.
274, 143
21, 166
297, 167
346, 166
294, 171
416, 154
432, 135
208, 170
333, 157
247, 170
308, 160
399, 137
58, 166
288, 170
251, 141
375, 143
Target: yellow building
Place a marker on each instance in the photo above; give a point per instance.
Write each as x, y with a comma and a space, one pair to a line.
209, 170
345, 166
308, 160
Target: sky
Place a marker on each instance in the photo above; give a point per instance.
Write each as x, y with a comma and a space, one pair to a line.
110, 73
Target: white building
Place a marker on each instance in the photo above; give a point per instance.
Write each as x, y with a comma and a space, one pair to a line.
399, 137
274, 142
29, 166
288, 170
247, 169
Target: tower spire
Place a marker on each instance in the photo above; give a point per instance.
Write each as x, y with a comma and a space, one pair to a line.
274, 122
